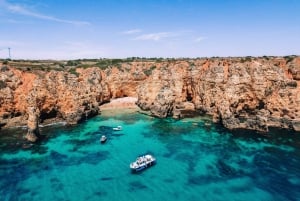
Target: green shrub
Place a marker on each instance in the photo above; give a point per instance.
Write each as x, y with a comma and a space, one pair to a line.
288, 58
116, 61
266, 57
73, 71
4, 68
73, 63
246, 59
148, 72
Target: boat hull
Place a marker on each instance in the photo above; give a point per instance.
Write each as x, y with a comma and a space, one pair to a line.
143, 167
103, 139
118, 128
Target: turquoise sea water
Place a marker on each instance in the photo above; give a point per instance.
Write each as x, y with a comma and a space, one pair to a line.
196, 160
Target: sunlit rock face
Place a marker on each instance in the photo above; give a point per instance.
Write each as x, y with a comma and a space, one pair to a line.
33, 132
30, 98
251, 93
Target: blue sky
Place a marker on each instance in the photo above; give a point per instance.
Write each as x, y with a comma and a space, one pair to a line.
71, 29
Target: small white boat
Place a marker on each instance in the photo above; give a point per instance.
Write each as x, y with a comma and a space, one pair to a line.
142, 162
103, 139
118, 128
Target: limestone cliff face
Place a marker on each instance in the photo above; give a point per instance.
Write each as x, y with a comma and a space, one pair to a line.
168, 89
252, 93
29, 98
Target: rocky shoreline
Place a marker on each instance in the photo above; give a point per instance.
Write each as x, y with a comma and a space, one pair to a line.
248, 93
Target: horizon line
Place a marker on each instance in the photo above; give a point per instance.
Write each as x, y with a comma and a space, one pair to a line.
148, 58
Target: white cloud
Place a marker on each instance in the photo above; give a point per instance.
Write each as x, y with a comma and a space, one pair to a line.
155, 36
21, 10
199, 39
132, 31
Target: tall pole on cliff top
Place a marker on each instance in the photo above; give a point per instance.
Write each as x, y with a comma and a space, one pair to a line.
9, 56
9, 52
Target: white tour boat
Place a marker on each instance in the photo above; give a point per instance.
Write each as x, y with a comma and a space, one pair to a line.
142, 162
118, 128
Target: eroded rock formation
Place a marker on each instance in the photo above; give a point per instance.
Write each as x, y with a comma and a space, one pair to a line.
33, 132
255, 94
252, 93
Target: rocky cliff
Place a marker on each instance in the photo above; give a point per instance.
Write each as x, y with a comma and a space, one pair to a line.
252, 93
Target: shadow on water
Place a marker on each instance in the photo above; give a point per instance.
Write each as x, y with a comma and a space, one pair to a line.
56, 184
169, 180
100, 194
169, 126
269, 169
226, 170
273, 161
106, 178
275, 136
117, 134
108, 131
105, 130
201, 180
89, 138
17, 170
21, 169
136, 185
12, 141
174, 150
62, 160
77, 144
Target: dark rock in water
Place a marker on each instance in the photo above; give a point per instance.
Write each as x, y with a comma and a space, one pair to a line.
100, 193
105, 130
27, 146
117, 135
106, 178
225, 169
136, 185
59, 159
197, 180
2, 124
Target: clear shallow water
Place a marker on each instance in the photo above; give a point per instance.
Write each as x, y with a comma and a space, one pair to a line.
196, 160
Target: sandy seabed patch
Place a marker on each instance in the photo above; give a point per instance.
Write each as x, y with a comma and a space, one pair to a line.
120, 103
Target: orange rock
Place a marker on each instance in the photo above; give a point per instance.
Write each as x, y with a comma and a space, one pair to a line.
252, 93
